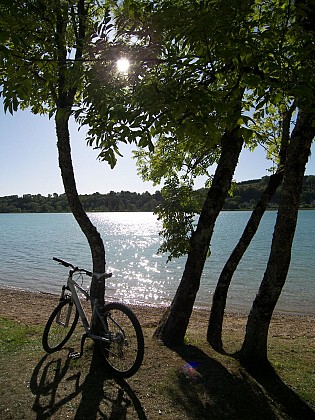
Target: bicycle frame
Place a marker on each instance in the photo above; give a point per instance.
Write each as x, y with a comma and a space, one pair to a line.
72, 285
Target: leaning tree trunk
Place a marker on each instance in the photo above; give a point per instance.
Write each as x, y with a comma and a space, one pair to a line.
64, 97
253, 353
173, 325
214, 332
94, 239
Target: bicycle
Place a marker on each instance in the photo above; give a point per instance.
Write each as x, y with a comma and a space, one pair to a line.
120, 340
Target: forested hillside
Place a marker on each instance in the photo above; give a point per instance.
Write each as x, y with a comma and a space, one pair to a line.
113, 201
245, 196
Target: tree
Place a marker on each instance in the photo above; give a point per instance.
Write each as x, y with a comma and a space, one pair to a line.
214, 332
173, 325
44, 62
253, 353
254, 350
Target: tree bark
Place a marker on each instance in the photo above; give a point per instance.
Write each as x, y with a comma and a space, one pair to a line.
253, 353
214, 332
173, 325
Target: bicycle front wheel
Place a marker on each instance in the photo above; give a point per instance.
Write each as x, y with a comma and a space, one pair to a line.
125, 349
60, 326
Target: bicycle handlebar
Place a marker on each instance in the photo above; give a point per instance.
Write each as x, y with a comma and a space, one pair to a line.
88, 273
66, 264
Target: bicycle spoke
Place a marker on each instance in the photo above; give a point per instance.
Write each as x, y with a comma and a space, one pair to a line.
60, 326
124, 352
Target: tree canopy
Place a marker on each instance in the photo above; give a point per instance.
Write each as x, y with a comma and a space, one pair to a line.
45, 60
188, 62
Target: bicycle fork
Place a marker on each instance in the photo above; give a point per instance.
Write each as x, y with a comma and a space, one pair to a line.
65, 321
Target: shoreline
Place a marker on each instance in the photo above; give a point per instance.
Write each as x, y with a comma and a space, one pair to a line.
136, 211
34, 308
162, 307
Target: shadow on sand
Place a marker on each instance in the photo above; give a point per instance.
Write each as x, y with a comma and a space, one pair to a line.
208, 390
61, 394
202, 389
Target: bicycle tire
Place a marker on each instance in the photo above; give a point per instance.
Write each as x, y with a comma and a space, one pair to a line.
56, 334
123, 355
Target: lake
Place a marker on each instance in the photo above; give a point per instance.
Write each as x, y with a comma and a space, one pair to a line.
29, 241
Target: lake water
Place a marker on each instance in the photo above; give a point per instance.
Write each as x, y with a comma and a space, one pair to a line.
29, 241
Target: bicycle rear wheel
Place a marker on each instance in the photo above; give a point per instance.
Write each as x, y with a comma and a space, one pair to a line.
125, 350
60, 326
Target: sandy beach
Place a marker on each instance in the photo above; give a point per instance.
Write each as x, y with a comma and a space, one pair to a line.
191, 382
34, 308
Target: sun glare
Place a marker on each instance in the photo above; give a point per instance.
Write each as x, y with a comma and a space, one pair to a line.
123, 65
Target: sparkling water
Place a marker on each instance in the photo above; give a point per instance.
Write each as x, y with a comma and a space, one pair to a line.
29, 241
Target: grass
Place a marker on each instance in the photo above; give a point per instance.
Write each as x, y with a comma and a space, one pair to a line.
296, 365
193, 382
15, 336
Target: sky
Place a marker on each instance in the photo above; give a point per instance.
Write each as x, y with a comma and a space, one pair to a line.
29, 161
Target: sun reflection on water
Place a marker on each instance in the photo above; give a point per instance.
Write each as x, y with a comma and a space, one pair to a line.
29, 241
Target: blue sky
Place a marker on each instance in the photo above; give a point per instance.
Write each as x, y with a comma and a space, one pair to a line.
29, 161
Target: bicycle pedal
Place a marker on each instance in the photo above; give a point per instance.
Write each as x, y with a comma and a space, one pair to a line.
74, 355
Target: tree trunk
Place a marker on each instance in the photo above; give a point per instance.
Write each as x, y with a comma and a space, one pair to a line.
94, 239
214, 332
173, 325
254, 350
64, 98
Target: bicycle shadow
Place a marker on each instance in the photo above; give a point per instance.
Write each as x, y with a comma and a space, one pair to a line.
61, 390
207, 389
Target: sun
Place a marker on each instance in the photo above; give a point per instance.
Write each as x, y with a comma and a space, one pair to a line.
123, 65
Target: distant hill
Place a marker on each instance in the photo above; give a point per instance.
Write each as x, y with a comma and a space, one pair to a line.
245, 196
247, 193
